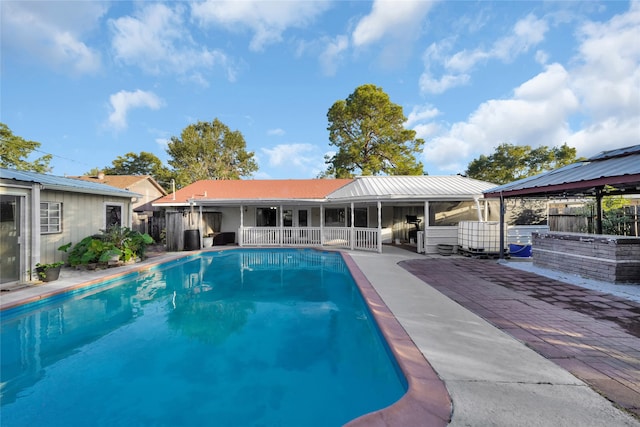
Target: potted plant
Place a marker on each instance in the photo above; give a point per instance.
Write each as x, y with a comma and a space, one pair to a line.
207, 241
49, 272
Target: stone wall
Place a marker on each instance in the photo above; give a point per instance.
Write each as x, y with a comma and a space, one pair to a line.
614, 259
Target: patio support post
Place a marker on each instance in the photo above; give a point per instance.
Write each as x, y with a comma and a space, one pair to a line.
353, 230
201, 226
599, 210
241, 231
502, 207
321, 224
379, 227
426, 225
280, 231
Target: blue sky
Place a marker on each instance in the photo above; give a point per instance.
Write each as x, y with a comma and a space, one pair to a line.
94, 80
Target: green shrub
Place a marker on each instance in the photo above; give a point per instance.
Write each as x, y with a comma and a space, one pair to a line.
100, 248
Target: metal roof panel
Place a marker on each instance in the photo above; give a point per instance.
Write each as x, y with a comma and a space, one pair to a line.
410, 187
613, 167
61, 183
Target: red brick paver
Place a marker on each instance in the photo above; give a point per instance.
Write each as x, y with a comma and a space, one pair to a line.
593, 335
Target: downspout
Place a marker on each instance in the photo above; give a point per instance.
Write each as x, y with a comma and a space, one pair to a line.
476, 199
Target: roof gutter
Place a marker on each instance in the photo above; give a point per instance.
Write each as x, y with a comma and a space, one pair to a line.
122, 193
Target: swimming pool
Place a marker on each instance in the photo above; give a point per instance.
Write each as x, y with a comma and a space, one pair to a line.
239, 337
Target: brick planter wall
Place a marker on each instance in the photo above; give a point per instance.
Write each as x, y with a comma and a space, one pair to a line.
614, 259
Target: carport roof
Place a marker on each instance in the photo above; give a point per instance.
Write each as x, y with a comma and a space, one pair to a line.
618, 170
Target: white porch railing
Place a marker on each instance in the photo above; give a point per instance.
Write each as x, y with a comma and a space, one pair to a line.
366, 239
336, 237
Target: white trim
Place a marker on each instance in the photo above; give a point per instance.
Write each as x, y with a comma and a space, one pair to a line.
104, 213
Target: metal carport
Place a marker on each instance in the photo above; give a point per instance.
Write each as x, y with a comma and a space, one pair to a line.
613, 172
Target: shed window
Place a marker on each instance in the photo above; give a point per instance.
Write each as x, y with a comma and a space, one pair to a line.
113, 215
50, 217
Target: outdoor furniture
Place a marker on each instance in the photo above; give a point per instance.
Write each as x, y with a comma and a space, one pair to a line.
224, 238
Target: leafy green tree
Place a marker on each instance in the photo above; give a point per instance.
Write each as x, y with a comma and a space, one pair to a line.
513, 162
15, 150
209, 151
144, 163
368, 131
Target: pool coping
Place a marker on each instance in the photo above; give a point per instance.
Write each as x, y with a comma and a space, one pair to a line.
426, 402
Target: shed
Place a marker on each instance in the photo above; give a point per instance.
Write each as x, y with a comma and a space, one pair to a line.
41, 212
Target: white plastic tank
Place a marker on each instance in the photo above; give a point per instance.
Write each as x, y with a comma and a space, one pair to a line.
479, 236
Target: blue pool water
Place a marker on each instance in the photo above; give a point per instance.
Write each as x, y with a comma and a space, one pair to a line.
233, 338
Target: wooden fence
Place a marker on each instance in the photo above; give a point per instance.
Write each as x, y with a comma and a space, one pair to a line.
621, 222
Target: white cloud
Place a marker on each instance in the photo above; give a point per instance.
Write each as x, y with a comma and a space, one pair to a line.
389, 18
608, 75
526, 34
537, 114
332, 54
157, 40
542, 57
124, 101
605, 135
304, 157
46, 32
600, 93
426, 130
268, 20
276, 132
430, 84
421, 113
601, 90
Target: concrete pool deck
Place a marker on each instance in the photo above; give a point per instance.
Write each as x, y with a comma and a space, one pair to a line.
494, 378
487, 364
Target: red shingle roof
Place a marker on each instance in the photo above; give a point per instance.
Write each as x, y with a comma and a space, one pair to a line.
247, 190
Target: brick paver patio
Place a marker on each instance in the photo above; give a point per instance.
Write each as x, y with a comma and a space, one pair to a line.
593, 335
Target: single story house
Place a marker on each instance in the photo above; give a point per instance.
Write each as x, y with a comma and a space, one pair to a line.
146, 217
40, 212
359, 213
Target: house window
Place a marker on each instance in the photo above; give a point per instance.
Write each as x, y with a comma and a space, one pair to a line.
287, 218
334, 217
50, 217
267, 217
360, 217
113, 215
